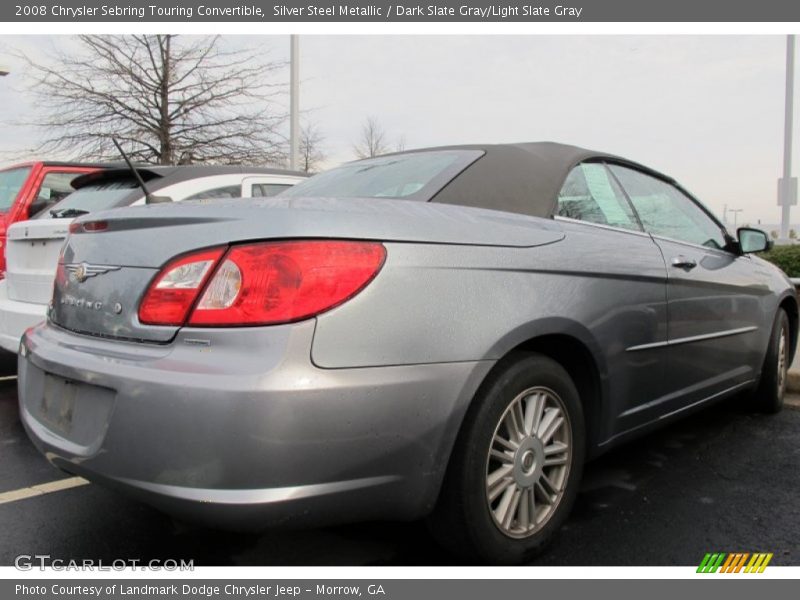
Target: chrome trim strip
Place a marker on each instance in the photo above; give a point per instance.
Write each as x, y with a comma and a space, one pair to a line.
690, 390
679, 410
711, 397
670, 240
638, 232
694, 338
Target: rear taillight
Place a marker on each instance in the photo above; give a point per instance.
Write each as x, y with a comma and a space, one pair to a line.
88, 226
260, 284
172, 294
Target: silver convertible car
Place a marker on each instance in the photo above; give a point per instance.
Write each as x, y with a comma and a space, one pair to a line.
446, 333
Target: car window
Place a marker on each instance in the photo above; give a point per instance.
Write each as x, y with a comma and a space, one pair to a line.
11, 183
666, 211
228, 191
410, 176
100, 195
56, 186
591, 194
262, 190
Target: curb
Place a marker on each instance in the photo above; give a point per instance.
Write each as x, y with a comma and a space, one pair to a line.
793, 382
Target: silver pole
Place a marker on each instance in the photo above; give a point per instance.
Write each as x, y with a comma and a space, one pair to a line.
787, 136
294, 100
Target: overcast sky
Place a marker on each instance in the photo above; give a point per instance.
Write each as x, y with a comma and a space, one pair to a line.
707, 110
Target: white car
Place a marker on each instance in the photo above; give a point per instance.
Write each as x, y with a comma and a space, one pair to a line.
33, 246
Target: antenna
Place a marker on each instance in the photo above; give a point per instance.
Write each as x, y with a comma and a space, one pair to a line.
148, 198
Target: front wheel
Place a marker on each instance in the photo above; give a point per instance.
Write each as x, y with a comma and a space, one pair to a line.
516, 467
768, 396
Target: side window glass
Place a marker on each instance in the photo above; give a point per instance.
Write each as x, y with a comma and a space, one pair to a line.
56, 186
229, 191
261, 190
666, 211
591, 194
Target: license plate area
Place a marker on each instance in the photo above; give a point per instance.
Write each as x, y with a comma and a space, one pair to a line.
58, 403
76, 414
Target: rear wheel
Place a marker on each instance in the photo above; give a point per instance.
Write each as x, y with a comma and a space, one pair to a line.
516, 467
768, 396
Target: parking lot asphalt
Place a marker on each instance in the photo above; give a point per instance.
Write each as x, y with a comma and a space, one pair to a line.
720, 480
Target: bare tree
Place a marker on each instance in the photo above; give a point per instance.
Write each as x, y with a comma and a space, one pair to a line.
173, 100
312, 154
372, 141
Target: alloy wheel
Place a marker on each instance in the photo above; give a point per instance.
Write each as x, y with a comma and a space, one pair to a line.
782, 362
528, 462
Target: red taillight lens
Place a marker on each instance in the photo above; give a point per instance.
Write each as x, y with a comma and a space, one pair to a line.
172, 294
263, 284
88, 227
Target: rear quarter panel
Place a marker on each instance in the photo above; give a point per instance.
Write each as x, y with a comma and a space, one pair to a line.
443, 303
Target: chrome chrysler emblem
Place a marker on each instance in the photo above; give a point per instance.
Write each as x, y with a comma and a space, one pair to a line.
81, 272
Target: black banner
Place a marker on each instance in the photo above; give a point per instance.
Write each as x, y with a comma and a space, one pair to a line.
731, 588
402, 11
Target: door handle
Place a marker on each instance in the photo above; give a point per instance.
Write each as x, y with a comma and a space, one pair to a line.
681, 262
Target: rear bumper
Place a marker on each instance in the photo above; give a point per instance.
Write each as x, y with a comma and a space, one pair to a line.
16, 317
244, 431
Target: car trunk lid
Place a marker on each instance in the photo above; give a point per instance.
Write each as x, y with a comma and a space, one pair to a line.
32, 249
103, 275
102, 300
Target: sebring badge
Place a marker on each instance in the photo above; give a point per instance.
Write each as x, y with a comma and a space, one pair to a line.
81, 272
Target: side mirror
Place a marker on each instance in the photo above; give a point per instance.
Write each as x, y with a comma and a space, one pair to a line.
753, 240
39, 205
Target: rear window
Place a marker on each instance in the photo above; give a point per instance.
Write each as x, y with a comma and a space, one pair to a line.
263, 190
56, 186
97, 196
410, 176
11, 183
228, 191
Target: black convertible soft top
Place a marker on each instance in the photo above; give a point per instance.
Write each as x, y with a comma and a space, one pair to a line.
521, 178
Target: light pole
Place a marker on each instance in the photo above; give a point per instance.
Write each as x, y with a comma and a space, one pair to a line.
735, 212
294, 102
787, 185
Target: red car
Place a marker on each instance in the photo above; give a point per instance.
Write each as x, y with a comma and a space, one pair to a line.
29, 188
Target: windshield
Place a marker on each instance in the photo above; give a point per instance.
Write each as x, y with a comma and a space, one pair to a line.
11, 182
411, 176
94, 197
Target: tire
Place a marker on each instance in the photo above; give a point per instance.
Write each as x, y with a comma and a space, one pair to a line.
473, 517
768, 396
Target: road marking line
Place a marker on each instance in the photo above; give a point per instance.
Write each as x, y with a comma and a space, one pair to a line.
8, 378
42, 489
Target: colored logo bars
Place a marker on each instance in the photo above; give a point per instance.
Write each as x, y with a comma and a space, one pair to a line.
734, 562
